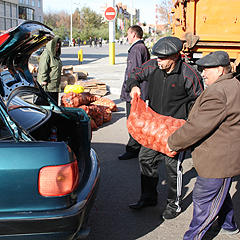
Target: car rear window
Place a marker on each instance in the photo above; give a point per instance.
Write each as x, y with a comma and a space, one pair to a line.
23, 110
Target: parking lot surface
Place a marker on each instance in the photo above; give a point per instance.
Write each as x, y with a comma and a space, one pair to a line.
111, 218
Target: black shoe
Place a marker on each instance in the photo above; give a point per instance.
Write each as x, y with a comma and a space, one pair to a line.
127, 155
169, 214
142, 204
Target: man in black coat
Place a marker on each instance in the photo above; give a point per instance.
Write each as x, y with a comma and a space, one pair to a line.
173, 86
137, 55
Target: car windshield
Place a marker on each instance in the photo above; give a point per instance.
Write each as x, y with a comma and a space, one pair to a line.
23, 110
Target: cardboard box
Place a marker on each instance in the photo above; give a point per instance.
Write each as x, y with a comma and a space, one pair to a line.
82, 74
67, 70
64, 82
87, 83
94, 86
72, 79
64, 78
98, 92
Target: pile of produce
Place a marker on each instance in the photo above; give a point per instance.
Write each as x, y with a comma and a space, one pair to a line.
149, 128
77, 99
106, 102
99, 109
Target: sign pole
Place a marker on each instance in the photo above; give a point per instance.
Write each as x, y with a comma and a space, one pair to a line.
110, 15
112, 38
112, 42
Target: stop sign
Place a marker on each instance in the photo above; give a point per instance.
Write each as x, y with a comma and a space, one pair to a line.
110, 13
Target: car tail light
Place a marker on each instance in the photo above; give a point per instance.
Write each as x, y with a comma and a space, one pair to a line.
58, 180
4, 37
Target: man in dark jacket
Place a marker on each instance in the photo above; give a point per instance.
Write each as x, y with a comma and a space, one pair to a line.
173, 86
137, 55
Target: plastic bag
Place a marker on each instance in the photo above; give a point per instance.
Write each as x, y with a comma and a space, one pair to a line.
74, 88
149, 128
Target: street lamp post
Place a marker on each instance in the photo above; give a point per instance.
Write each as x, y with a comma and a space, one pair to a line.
78, 4
71, 27
131, 12
71, 43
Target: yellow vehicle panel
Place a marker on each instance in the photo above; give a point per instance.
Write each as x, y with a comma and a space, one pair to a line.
207, 25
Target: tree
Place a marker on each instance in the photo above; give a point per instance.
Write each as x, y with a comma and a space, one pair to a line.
85, 23
164, 8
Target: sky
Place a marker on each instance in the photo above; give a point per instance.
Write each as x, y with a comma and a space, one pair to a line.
147, 9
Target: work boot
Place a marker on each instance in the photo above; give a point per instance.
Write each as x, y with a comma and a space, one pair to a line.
170, 214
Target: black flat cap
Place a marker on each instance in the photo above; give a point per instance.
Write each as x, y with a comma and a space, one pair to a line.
167, 46
214, 59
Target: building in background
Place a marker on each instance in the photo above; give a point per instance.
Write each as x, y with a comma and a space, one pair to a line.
13, 12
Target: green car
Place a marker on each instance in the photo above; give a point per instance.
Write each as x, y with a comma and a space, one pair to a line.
49, 173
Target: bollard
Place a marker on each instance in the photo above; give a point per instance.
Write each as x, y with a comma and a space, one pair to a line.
80, 56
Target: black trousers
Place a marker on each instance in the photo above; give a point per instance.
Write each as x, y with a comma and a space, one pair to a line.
54, 95
132, 145
149, 161
44, 102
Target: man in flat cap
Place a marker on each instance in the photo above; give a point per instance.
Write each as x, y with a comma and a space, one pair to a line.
173, 86
212, 132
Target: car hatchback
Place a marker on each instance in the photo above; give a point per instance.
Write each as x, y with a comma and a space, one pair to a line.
49, 173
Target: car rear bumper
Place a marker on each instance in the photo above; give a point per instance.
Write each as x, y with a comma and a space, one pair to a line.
60, 224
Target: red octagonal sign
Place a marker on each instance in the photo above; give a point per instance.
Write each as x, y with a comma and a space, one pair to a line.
110, 13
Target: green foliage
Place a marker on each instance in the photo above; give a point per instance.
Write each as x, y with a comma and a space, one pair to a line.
61, 32
146, 35
85, 24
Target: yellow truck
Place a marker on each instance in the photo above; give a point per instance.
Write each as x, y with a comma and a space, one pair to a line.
206, 26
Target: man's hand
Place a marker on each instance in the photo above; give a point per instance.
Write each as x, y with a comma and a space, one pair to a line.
169, 149
135, 90
44, 83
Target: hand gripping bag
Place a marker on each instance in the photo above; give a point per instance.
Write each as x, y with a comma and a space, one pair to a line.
149, 128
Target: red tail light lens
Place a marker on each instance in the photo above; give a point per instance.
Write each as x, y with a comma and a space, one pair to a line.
4, 37
58, 180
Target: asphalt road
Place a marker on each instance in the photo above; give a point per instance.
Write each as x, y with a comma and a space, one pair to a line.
111, 218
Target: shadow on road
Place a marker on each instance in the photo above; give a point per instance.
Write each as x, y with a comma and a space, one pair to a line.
72, 59
87, 58
112, 219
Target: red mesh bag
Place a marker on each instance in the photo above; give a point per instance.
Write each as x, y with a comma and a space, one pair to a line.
149, 128
86, 98
106, 111
70, 100
106, 102
77, 99
93, 124
99, 120
94, 113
